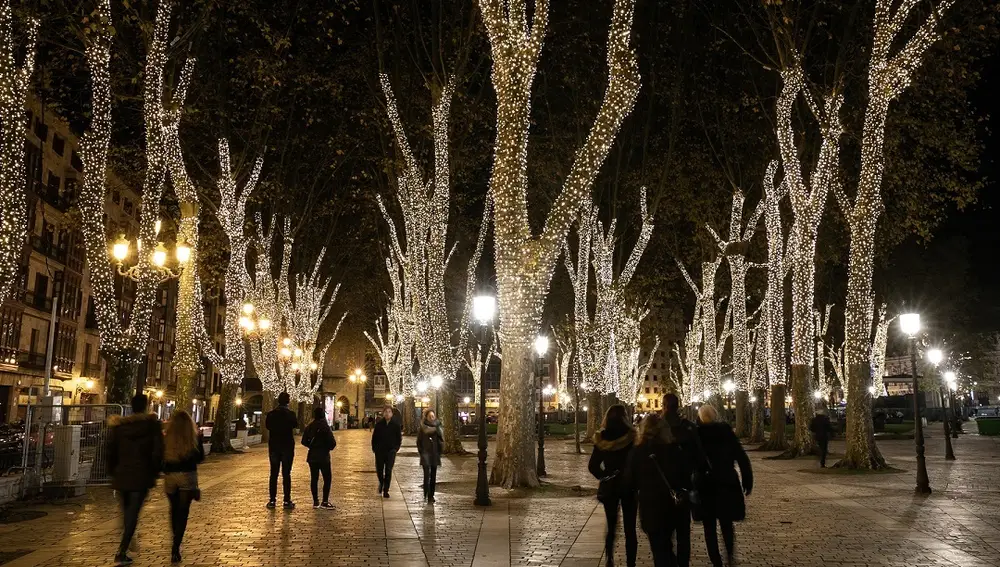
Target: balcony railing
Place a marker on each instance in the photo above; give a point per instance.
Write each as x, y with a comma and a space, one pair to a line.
39, 302
32, 360
49, 249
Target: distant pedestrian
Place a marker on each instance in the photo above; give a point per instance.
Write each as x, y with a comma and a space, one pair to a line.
386, 439
135, 454
182, 453
822, 430
281, 423
721, 490
612, 445
660, 468
429, 445
319, 438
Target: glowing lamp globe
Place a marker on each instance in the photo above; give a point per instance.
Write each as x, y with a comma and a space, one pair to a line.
436, 381
909, 323
541, 345
483, 308
248, 308
183, 253
90, 384
422, 386
818, 395
160, 255
264, 324
466, 400
935, 356
313, 366
120, 249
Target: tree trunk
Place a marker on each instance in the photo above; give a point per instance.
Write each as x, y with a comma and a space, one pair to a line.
742, 414
802, 440
409, 417
266, 405
514, 461
861, 452
122, 369
187, 357
757, 423
777, 441
593, 414
220, 431
449, 420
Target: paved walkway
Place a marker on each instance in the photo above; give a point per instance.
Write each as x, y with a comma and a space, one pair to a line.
795, 518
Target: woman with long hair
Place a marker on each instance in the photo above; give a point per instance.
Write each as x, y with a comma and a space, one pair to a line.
722, 490
182, 453
429, 441
612, 445
319, 438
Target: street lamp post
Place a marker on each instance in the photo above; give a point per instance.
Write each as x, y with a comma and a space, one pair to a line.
909, 323
935, 356
357, 378
541, 347
483, 309
950, 379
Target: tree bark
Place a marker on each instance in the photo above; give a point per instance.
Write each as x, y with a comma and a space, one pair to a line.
449, 420
777, 441
266, 405
757, 422
121, 373
220, 431
802, 440
593, 414
742, 414
514, 463
409, 417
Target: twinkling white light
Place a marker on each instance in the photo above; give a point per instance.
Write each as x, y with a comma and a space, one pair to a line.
777, 262
709, 372
14, 82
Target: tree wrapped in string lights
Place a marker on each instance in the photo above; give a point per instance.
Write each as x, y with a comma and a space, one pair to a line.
774, 330
808, 199
758, 378
563, 338
890, 72
123, 345
524, 262
689, 361
734, 248
420, 258
231, 214
708, 378
270, 298
14, 82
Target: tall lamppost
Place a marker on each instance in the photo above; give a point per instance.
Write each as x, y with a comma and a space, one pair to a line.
483, 309
909, 323
541, 347
357, 378
935, 356
949, 381
952, 386
437, 381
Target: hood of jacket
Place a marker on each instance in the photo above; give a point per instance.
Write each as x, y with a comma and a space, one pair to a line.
614, 440
136, 425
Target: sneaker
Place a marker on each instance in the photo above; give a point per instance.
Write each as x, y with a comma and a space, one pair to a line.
272, 504
289, 505
315, 505
385, 494
380, 486
325, 506
123, 559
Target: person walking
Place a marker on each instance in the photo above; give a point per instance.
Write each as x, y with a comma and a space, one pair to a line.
822, 431
135, 454
721, 490
386, 439
660, 468
182, 453
429, 442
281, 423
612, 445
319, 438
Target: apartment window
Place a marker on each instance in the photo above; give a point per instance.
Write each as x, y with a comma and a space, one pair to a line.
163, 300
116, 197
647, 389
75, 161
58, 144
53, 185
656, 403
41, 130
162, 330
655, 379
127, 206
33, 165
158, 373
33, 345
69, 188
656, 390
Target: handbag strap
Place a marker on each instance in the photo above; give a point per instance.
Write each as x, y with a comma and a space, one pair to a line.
673, 493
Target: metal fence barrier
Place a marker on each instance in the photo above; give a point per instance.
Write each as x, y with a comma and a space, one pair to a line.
62, 445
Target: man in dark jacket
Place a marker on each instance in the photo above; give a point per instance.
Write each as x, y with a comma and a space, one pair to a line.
822, 430
386, 439
135, 454
281, 423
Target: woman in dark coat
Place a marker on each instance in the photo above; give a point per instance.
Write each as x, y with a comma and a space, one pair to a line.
721, 489
319, 438
612, 445
429, 441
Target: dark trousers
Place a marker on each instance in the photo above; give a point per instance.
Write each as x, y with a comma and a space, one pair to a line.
629, 507
281, 459
131, 503
314, 470
662, 545
180, 507
712, 540
824, 444
430, 480
383, 468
